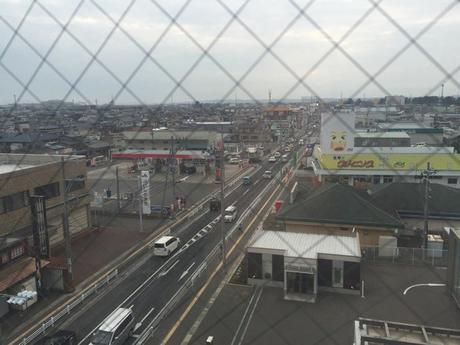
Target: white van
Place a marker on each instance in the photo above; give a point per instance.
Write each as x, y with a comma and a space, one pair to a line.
165, 245
284, 158
267, 174
230, 215
115, 329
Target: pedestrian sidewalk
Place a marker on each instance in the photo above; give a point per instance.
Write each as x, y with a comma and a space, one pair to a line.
91, 253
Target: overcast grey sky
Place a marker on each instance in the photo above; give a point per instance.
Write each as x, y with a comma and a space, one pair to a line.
374, 42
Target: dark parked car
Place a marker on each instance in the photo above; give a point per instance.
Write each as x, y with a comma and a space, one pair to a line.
62, 337
214, 205
189, 170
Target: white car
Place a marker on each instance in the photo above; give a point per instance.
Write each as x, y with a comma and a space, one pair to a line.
165, 245
234, 160
277, 154
230, 214
272, 159
267, 174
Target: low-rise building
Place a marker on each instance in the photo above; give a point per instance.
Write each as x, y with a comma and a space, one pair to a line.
148, 139
23, 237
303, 264
338, 159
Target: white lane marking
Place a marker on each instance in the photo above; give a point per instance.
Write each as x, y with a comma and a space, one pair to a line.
246, 192
250, 317
169, 269
244, 317
139, 324
184, 178
186, 271
257, 181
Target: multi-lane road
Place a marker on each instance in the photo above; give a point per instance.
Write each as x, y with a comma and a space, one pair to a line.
150, 282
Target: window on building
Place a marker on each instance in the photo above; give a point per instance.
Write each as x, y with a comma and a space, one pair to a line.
254, 265
4, 258
16, 252
49, 190
74, 184
14, 202
387, 179
452, 180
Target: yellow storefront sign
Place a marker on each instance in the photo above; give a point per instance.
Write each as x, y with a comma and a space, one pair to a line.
390, 161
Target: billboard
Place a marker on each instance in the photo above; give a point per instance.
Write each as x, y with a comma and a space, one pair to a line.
145, 192
337, 132
390, 161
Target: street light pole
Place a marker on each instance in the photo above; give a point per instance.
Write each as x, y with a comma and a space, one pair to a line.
141, 192
222, 205
426, 174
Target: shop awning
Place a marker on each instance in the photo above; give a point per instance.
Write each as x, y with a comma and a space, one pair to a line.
17, 271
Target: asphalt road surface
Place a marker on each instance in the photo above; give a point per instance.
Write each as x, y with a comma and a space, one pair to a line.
150, 282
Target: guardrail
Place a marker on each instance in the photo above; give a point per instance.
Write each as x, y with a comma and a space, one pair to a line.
67, 309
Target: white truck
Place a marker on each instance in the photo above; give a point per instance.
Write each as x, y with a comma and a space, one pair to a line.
254, 154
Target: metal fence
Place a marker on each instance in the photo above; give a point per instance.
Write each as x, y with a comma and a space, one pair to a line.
402, 255
68, 308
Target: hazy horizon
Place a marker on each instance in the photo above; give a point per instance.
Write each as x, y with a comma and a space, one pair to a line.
419, 70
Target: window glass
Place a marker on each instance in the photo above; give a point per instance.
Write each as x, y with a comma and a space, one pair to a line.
16, 252
14, 201
49, 190
74, 184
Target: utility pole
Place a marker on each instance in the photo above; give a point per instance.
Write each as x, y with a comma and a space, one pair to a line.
172, 166
222, 204
141, 195
118, 190
426, 174
67, 234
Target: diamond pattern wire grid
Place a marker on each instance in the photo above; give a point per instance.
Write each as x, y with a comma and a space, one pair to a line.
268, 49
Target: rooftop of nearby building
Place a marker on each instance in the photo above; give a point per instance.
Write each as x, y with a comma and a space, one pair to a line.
166, 134
330, 320
339, 204
386, 135
10, 162
307, 246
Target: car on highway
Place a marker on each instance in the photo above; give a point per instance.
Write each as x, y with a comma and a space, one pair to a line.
234, 160
115, 329
231, 213
272, 159
284, 158
267, 174
214, 205
277, 154
62, 337
247, 180
165, 245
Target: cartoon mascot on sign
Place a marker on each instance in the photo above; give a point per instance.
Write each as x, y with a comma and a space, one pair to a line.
338, 140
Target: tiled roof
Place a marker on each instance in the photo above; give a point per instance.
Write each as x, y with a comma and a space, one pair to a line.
339, 204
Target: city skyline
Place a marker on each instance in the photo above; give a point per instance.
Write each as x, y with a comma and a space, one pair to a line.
384, 31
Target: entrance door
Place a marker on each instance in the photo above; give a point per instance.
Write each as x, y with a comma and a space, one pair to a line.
337, 274
302, 283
